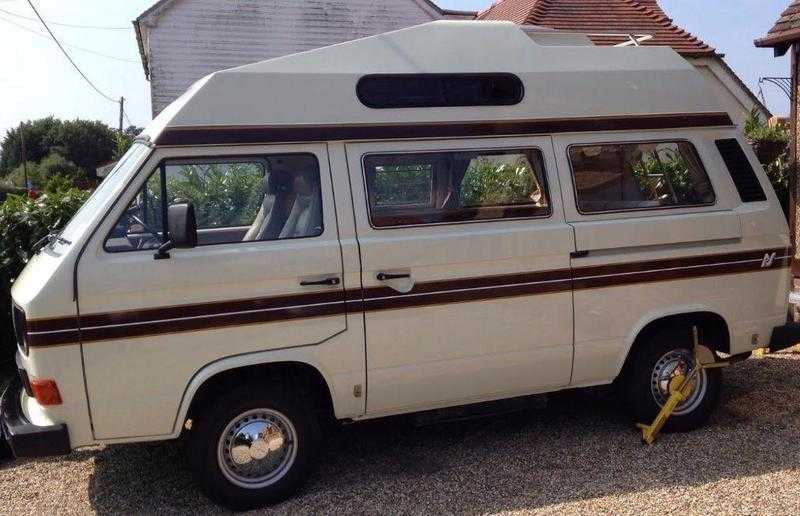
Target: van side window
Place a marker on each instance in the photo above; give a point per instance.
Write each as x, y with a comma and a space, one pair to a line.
235, 199
638, 176
444, 187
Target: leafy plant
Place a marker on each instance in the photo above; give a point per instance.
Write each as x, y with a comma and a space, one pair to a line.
397, 185
768, 141
771, 145
489, 183
23, 222
223, 195
665, 174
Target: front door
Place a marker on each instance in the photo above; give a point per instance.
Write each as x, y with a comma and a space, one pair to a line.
266, 274
465, 263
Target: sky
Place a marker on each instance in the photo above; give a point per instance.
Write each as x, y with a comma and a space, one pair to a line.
36, 80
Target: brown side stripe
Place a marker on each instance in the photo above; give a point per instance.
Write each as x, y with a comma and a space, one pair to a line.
138, 323
317, 133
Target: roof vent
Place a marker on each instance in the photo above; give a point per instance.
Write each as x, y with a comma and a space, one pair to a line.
386, 91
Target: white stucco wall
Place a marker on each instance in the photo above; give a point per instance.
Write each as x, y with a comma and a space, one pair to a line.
192, 38
732, 94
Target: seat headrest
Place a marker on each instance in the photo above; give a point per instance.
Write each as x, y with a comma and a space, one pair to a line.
279, 182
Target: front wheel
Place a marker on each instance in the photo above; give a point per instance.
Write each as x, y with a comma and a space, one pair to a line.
646, 383
253, 447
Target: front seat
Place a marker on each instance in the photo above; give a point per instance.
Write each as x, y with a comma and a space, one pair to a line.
278, 200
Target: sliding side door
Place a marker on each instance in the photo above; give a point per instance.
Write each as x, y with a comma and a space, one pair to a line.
465, 260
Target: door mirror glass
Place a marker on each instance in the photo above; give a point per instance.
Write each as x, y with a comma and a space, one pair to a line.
182, 226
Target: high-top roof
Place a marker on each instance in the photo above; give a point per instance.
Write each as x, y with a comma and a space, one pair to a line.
563, 78
785, 31
639, 17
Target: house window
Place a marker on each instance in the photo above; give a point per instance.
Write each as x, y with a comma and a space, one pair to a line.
451, 187
439, 90
638, 176
273, 197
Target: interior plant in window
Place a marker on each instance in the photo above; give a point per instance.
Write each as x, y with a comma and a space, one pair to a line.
490, 182
404, 185
663, 174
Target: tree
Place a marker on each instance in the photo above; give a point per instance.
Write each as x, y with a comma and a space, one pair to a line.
87, 144
84, 143
40, 136
125, 140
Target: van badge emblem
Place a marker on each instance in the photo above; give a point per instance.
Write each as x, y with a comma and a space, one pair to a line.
767, 261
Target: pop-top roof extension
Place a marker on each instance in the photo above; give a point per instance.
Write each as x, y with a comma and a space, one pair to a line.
563, 80
600, 17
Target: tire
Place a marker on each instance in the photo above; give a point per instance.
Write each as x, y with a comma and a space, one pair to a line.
257, 473
655, 359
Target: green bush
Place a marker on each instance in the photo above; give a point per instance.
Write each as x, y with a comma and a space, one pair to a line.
23, 222
489, 183
52, 165
771, 145
223, 196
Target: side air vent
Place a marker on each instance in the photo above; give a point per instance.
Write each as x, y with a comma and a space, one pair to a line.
386, 91
742, 173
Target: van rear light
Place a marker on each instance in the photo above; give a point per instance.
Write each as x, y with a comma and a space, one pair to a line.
45, 392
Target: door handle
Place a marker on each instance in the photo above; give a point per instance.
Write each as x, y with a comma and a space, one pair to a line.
383, 276
330, 282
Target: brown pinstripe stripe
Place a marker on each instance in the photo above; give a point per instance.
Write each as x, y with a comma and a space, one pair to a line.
196, 317
318, 133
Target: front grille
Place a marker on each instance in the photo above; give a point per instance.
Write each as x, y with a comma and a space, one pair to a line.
20, 329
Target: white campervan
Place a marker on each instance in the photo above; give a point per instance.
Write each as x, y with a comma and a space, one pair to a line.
446, 215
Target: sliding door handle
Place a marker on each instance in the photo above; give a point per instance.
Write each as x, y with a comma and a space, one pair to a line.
330, 282
383, 276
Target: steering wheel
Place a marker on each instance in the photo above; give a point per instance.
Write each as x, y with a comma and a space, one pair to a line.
144, 241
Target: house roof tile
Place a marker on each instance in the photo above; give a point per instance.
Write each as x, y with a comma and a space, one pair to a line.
786, 30
639, 17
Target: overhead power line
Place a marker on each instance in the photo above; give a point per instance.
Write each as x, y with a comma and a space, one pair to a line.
70, 25
69, 58
75, 47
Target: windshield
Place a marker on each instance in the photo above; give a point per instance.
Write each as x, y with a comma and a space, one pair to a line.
107, 189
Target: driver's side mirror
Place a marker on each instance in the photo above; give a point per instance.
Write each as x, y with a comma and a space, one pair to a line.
181, 229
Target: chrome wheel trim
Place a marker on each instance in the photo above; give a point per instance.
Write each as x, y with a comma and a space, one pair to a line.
257, 448
670, 364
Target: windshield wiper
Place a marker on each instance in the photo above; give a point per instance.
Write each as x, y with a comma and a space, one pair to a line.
47, 240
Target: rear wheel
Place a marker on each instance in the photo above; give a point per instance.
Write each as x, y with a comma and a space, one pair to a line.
646, 383
253, 446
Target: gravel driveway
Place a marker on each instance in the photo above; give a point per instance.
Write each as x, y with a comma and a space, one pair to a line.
578, 455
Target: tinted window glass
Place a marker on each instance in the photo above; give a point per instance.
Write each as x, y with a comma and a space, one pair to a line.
430, 188
439, 90
237, 200
742, 173
638, 176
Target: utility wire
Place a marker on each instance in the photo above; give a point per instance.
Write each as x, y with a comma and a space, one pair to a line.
69, 58
76, 47
70, 25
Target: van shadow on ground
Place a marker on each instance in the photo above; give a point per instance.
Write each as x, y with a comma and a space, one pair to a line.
580, 447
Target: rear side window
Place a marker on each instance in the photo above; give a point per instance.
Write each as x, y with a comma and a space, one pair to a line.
439, 90
446, 187
274, 197
742, 173
638, 176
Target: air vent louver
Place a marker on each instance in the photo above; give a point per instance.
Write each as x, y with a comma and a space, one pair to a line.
742, 173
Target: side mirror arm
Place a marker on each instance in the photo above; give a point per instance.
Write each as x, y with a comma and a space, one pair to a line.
162, 253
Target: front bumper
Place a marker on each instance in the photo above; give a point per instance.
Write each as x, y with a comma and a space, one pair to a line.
24, 439
784, 336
